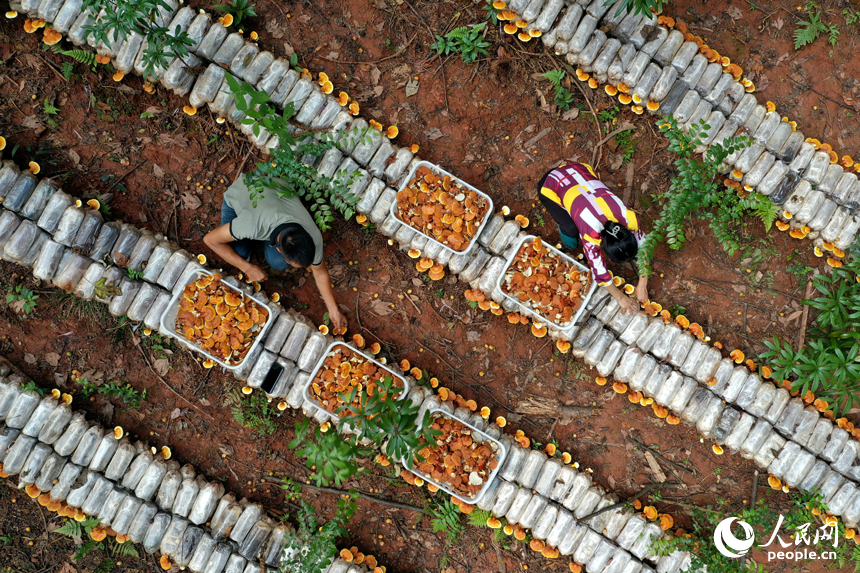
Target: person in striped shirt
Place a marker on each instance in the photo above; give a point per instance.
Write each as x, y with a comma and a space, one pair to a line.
586, 209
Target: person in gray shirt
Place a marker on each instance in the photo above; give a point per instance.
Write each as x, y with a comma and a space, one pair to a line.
289, 235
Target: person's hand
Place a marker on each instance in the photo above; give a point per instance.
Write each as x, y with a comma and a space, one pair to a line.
627, 305
642, 292
255, 273
338, 320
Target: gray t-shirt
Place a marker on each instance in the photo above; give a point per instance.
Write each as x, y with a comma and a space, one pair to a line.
258, 223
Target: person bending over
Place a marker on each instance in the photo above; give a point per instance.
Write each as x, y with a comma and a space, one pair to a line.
586, 209
288, 234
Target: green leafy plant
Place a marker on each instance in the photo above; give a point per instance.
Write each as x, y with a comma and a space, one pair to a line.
285, 172
810, 29
120, 18
81, 56
562, 97
609, 114
22, 299
49, 108
382, 418
240, 10
468, 41
31, 387
643, 7
67, 68
699, 542
492, 12
134, 274
334, 458
130, 396
254, 411
626, 145
80, 532
697, 190
87, 388
829, 366
312, 546
447, 518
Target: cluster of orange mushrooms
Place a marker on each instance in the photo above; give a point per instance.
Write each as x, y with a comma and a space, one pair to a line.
457, 459
219, 319
442, 209
343, 371
547, 283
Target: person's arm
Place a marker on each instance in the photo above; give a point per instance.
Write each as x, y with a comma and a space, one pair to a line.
323, 280
625, 302
642, 289
219, 241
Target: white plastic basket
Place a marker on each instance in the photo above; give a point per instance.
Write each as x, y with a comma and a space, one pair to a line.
498, 447
441, 172
564, 327
168, 319
313, 399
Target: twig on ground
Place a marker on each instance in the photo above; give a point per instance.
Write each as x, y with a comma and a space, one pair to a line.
662, 457
124, 175
805, 317
642, 492
825, 96
183, 398
334, 491
441, 61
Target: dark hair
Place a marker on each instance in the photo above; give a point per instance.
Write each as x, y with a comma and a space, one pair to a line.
619, 242
296, 244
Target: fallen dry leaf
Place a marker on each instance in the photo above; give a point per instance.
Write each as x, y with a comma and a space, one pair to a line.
29, 358
175, 413
434, 133
570, 114
380, 307
161, 366
411, 88
73, 155
52, 358
735, 13
375, 75
189, 201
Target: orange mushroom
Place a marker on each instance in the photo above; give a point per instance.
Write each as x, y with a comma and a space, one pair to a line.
737, 356
717, 449
536, 545
354, 108
391, 132
550, 449
538, 330
619, 387
98, 534
600, 381
666, 521
650, 512
782, 225
625, 98
563, 346
682, 321
673, 420
493, 523
501, 422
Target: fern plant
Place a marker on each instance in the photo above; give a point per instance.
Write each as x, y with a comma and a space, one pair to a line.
697, 191
81, 56
447, 518
80, 532
563, 98
253, 412
468, 41
286, 173
479, 517
809, 30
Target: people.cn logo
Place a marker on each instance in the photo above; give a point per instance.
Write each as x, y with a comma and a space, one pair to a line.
728, 544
